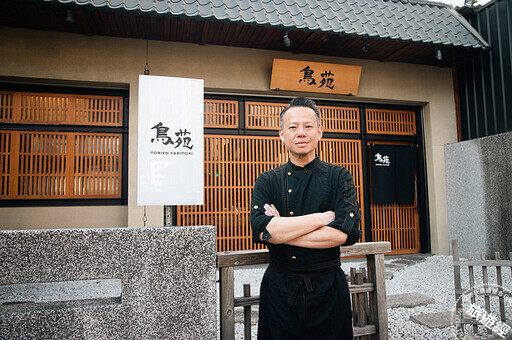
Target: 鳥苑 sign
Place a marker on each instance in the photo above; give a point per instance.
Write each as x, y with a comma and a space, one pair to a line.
297, 75
170, 141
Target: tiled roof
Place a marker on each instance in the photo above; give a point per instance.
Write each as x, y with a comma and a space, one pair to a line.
403, 20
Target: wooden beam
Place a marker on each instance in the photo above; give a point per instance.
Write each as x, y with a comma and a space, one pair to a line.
396, 53
249, 257
366, 330
308, 41
82, 20
269, 33
204, 32
365, 248
242, 258
487, 263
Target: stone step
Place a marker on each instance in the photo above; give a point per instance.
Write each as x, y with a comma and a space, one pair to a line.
433, 320
401, 262
408, 300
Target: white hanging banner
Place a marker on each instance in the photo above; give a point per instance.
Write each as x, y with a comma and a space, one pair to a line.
170, 141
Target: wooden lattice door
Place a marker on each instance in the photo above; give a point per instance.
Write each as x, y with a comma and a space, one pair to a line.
397, 223
233, 162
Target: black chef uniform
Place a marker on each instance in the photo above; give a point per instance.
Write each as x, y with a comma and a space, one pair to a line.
304, 293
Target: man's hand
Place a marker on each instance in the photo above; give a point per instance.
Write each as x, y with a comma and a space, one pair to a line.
325, 217
270, 210
284, 229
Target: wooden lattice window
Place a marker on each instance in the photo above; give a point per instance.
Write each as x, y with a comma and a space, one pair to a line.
220, 113
340, 119
5, 163
232, 164
6, 106
47, 165
262, 115
97, 166
44, 162
390, 122
57, 109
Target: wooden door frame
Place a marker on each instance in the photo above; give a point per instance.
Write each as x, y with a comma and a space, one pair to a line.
422, 192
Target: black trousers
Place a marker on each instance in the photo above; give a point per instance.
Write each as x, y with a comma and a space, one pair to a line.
304, 306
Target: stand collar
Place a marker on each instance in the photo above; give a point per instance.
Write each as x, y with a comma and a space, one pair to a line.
308, 167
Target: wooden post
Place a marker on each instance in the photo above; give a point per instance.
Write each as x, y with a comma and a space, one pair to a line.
227, 303
355, 304
247, 313
456, 274
376, 274
361, 322
485, 280
500, 284
471, 285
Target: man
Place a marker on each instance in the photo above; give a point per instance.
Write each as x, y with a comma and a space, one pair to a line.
303, 211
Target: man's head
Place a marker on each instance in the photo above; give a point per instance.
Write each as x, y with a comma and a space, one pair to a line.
301, 130
300, 101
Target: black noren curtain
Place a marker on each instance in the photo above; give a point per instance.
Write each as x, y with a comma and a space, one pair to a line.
393, 169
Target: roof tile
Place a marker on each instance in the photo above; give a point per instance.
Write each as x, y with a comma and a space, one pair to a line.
407, 20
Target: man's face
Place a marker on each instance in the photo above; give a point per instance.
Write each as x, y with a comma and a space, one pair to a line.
300, 132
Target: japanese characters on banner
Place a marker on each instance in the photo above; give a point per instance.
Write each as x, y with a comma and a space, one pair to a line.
393, 169
308, 76
170, 141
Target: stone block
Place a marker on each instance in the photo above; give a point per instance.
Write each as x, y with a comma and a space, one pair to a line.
161, 283
433, 320
408, 300
478, 187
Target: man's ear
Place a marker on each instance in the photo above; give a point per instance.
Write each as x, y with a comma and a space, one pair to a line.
281, 134
321, 131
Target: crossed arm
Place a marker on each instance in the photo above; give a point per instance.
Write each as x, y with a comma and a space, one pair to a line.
308, 231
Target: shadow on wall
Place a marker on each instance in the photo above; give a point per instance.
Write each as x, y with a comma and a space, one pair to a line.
479, 191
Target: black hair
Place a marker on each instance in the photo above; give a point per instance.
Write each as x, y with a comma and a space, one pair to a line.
301, 101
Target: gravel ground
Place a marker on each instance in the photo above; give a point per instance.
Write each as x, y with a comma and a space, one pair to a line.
432, 277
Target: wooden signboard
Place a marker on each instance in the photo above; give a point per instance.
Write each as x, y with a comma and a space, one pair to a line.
297, 75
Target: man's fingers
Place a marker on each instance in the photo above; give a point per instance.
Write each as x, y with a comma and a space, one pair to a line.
276, 212
270, 210
267, 210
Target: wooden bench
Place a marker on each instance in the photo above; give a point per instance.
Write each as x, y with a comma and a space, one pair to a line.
368, 292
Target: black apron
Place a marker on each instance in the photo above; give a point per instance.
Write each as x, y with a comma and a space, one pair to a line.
305, 304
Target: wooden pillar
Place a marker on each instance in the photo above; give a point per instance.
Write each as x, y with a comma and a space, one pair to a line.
376, 274
227, 303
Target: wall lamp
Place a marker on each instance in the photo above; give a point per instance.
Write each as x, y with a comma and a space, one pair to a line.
69, 17
439, 55
286, 40
366, 45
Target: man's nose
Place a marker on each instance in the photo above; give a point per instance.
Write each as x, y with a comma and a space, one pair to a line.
300, 130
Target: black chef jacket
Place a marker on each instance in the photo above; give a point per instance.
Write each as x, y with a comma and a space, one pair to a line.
304, 293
